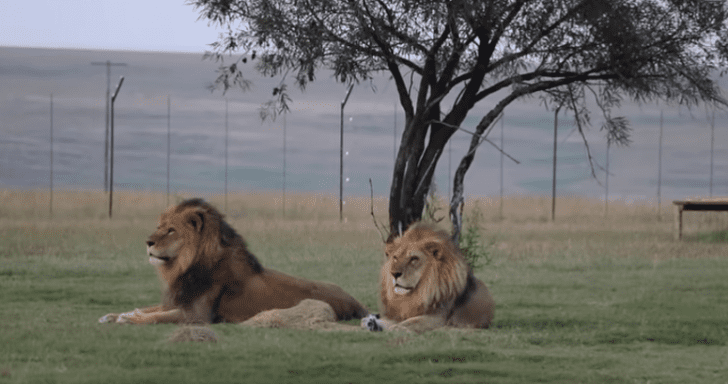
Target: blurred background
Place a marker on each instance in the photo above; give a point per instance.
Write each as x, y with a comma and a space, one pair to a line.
48, 48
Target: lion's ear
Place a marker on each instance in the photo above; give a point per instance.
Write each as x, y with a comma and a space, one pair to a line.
196, 220
434, 249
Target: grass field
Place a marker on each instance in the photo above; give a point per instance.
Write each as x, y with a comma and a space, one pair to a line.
587, 299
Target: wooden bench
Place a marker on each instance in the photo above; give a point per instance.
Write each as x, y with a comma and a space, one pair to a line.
707, 204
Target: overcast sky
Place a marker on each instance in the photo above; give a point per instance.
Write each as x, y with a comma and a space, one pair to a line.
139, 25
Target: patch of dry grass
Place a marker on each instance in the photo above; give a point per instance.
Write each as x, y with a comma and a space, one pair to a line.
581, 228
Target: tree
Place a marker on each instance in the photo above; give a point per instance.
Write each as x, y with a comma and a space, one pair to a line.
566, 52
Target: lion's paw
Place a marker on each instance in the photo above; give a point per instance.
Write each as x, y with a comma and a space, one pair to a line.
372, 323
126, 317
108, 318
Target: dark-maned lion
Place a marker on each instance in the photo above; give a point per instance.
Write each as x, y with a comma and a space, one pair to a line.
425, 283
211, 276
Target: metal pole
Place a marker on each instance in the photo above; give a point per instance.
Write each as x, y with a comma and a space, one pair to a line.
341, 157
50, 205
169, 115
106, 130
394, 139
226, 154
659, 170
553, 182
712, 140
606, 184
108, 65
111, 147
449, 167
284, 165
500, 209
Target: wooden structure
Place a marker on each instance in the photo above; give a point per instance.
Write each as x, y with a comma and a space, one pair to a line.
708, 204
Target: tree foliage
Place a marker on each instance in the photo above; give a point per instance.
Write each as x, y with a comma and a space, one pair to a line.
567, 52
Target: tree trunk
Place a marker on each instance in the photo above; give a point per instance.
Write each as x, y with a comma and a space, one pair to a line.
413, 172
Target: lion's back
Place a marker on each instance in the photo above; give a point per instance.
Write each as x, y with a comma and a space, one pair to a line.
475, 312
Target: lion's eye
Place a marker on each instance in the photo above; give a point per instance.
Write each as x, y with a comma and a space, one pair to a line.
414, 259
171, 231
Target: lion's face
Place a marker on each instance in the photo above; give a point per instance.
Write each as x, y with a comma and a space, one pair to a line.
164, 244
175, 240
423, 269
407, 263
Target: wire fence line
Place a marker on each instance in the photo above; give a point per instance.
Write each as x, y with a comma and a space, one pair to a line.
209, 135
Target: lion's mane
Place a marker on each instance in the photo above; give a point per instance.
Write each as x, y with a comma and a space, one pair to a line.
201, 256
446, 284
213, 277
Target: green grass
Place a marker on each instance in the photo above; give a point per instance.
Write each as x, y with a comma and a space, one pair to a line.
713, 237
583, 300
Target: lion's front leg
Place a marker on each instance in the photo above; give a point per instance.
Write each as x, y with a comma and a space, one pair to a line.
419, 324
149, 315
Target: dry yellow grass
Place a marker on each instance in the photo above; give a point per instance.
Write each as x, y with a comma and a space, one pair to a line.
525, 232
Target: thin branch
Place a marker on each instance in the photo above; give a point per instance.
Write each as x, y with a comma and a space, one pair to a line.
381, 234
545, 32
481, 139
418, 190
581, 132
501, 150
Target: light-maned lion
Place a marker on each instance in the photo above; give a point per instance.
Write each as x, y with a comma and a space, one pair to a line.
211, 277
426, 283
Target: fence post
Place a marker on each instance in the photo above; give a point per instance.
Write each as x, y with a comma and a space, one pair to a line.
168, 144
50, 190
111, 147
659, 172
341, 157
226, 155
553, 182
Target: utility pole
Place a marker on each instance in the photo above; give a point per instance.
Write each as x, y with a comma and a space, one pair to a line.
341, 157
108, 65
111, 146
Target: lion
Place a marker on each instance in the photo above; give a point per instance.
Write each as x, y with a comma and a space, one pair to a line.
426, 283
210, 276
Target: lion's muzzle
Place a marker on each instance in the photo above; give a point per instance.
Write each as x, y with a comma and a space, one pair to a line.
399, 289
154, 258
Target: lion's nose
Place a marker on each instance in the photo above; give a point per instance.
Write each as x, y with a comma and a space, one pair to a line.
396, 274
149, 243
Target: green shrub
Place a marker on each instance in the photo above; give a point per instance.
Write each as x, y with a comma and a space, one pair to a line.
477, 251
